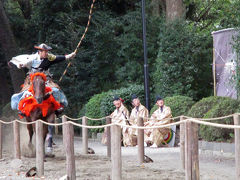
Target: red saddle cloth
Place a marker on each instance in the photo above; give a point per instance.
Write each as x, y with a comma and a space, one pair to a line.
29, 104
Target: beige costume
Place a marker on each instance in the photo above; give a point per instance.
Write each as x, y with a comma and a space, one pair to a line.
140, 111
156, 135
120, 116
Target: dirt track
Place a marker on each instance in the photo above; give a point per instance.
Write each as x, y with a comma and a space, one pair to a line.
166, 165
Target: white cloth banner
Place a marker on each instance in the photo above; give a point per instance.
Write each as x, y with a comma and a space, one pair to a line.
225, 62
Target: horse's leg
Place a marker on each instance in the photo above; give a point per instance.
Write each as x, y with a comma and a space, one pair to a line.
28, 149
50, 119
30, 132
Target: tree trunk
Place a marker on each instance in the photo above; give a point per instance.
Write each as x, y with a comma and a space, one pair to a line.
9, 47
26, 8
174, 10
158, 7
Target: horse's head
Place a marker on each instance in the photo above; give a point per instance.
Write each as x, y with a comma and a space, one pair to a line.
38, 82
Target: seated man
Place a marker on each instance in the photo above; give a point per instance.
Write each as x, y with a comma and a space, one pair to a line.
40, 61
159, 117
121, 115
138, 111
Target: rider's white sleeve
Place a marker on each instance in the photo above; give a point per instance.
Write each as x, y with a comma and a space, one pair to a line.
25, 60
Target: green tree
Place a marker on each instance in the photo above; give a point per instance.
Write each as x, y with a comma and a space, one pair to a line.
183, 66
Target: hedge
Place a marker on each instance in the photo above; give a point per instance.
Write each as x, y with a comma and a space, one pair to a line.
92, 110
101, 105
107, 106
215, 107
179, 105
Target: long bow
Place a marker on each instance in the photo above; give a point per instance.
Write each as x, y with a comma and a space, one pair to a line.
76, 50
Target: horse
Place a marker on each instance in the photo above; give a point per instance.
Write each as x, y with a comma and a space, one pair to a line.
41, 105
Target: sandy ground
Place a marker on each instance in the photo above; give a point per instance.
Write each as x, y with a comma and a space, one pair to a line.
166, 165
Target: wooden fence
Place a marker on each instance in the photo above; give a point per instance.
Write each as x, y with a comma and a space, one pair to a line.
189, 151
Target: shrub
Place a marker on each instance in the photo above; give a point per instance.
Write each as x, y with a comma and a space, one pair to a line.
215, 107
199, 109
178, 104
92, 110
101, 105
107, 106
225, 107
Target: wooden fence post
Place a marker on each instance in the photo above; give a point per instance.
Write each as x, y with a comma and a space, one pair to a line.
1, 140
188, 155
195, 152
140, 141
182, 142
16, 135
85, 135
191, 151
39, 149
68, 138
237, 145
116, 158
108, 121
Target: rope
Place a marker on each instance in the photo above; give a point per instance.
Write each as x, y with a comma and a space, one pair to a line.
99, 119
83, 36
195, 120
73, 119
92, 127
212, 119
92, 119
215, 124
152, 127
173, 118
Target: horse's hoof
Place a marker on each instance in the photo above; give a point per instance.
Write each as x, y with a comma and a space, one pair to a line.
49, 155
29, 151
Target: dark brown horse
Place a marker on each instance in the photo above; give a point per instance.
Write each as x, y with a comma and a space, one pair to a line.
39, 94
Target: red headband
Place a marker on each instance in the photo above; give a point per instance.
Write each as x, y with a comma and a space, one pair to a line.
121, 100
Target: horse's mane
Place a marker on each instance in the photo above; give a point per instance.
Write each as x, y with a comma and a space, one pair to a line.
38, 74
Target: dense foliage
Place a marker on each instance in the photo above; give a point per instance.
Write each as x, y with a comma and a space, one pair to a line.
92, 110
111, 54
223, 108
199, 109
215, 107
179, 105
101, 105
183, 63
107, 106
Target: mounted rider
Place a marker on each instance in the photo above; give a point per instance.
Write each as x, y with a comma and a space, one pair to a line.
39, 62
